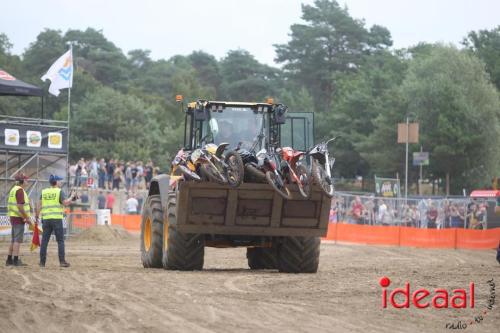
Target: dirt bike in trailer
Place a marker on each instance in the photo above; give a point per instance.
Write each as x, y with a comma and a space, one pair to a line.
294, 171
321, 165
183, 164
218, 168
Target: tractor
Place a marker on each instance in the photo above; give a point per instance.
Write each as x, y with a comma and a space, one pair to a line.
180, 218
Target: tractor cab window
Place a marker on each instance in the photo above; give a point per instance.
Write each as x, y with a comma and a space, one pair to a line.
233, 125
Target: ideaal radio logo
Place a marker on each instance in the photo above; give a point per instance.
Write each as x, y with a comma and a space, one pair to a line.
439, 298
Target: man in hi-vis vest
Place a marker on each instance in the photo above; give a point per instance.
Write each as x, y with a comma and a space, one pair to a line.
52, 205
19, 213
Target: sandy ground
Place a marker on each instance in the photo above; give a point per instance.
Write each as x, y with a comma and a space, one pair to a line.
107, 290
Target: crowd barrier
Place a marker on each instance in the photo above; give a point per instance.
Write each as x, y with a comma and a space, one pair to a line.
452, 238
129, 222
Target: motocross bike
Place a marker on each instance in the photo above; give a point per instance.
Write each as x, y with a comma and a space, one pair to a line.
264, 166
295, 172
270, 162
219, 168
321, 165
182, 163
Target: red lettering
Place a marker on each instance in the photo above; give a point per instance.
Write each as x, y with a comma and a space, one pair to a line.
405, 292
384, 283
417, 298
384, 298
443, 295
460, 294
471, 290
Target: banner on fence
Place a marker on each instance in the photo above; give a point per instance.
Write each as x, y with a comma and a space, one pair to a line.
387, 187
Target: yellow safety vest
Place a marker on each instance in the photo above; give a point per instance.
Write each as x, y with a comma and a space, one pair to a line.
13, 209
51, 207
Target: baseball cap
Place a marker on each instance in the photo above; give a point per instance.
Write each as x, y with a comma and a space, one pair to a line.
54, 178
21, 176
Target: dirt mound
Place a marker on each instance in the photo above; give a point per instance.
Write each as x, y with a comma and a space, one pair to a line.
104, 234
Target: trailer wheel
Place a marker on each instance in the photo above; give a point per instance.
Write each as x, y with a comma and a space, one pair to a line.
262, 258
299, 255
152, 233
181, 251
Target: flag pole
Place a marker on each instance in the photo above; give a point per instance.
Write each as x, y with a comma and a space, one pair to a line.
69, 119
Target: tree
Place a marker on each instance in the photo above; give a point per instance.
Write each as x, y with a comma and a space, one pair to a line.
245, 79
449, 94
108, 123
485, 44
207, 69
361, 98
330, 44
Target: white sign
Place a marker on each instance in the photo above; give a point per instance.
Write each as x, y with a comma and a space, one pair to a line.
11, 137
33, 138
55, 140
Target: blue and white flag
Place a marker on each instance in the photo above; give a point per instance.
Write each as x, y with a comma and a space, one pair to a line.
60, 74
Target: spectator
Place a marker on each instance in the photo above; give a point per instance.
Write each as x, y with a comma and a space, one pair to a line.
101, 201
431, 215
415, 216
422, 209
110, 201
456, 217
148, 173
357, 210
382, 212
140, 175
78, 172
128, 176
134, 181
110, 170
84, 175
72, 174
132, 205
117, 177
94, 173
101, 171
370, 212
441, 218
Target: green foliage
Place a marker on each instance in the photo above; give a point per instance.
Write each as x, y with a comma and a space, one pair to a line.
449, 94
486, 45
245, 79
331, 44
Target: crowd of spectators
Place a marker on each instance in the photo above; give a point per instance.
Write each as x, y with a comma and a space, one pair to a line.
422, 213
112, 174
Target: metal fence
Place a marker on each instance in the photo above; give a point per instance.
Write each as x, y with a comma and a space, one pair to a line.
415, 212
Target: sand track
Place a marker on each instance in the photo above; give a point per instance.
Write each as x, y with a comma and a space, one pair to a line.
107, 290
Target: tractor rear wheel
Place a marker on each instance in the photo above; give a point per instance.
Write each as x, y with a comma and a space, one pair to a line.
181, 251
262, 257
299, 255
152, 233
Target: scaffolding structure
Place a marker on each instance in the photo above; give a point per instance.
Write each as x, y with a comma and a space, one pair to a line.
37, 163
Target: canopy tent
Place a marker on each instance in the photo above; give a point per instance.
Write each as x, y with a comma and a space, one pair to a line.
10, 86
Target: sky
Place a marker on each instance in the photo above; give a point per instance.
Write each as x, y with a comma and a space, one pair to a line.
169, 27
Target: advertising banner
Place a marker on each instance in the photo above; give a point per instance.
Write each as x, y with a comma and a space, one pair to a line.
26, 137
387, 187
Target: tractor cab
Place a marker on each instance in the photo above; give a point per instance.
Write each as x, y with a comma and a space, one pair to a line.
251, 124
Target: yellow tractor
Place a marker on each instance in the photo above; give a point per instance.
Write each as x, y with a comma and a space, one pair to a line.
180, 217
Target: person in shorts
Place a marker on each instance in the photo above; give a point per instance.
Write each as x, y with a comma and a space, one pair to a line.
19, 209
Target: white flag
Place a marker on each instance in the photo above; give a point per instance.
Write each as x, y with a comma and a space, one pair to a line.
60, 74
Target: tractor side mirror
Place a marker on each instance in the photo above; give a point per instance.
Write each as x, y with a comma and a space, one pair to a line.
280, 114
214, 126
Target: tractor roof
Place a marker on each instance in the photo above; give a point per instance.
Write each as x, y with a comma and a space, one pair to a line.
225, 104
